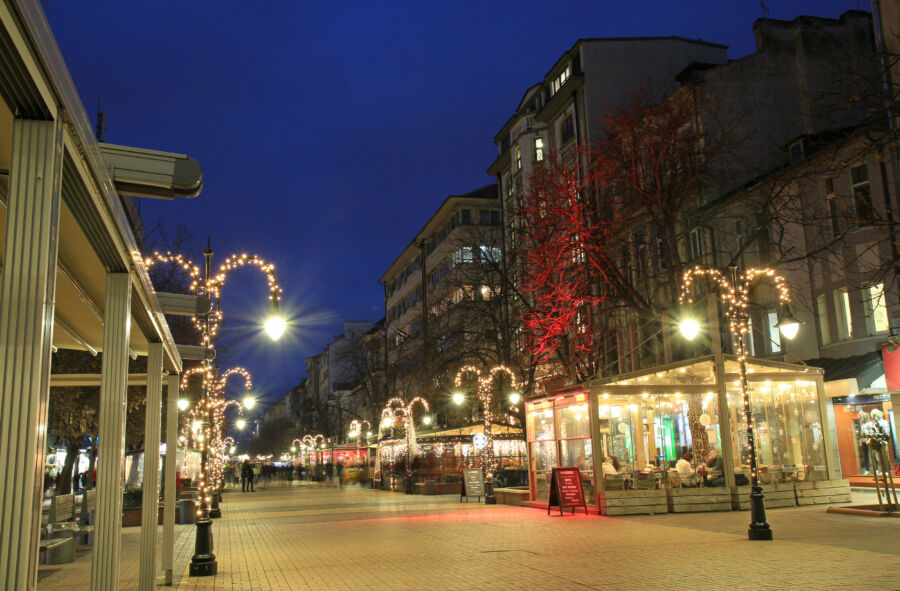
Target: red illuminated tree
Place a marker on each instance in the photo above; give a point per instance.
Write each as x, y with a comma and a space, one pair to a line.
604, 230
563, 264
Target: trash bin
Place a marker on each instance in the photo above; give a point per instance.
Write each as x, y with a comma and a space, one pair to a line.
186, 513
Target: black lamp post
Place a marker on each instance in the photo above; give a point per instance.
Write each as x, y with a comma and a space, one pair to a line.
736, 294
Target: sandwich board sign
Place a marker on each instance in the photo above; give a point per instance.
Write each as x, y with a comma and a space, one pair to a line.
565, 490
473, 484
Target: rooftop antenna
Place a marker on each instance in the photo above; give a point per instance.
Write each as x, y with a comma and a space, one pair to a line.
764, 8
101, 122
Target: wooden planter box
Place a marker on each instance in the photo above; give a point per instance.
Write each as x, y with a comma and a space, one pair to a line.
131, 516
822, 492
633, 502
776, 495
694, 500
438, 488
511, 496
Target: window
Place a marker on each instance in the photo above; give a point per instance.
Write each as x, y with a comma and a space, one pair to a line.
824, 325
696, 244
833, 216
862, 195
518, 153
774, 334
490, 254
796, 151
842, 314
465, 254
877, 309
465, 216
538, 149
558, 82
489, 217
567, 129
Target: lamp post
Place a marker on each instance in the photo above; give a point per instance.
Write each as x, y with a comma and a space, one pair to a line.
312, 441
356, 431
486, 396
735, 293
395, 408
203, 562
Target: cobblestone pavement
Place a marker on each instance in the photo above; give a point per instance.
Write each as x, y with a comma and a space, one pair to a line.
327, 539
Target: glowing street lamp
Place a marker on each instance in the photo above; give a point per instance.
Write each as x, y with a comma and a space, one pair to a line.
689, 328
249, 402
183, 403
735, 293
458, 398
275, 324
515, 397
397, 407
240, 423
486, 395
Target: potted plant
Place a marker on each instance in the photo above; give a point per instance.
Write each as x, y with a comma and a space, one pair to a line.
132, 508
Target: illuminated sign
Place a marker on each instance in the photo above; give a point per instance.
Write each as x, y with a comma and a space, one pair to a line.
479, 440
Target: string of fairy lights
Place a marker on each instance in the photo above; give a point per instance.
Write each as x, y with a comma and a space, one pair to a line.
203, 426
735, 293
485, 392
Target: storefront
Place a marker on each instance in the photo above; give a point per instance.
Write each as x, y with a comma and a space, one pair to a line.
442, 454
627, 433
854, 416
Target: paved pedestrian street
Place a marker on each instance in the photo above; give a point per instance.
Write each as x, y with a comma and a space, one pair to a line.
328, 539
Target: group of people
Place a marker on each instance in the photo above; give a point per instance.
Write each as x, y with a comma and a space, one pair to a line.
249, 474
710, 473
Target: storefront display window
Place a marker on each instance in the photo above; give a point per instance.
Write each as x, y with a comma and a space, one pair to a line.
788, 428
854, 417
634, 429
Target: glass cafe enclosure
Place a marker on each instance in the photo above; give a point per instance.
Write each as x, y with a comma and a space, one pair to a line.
627, 432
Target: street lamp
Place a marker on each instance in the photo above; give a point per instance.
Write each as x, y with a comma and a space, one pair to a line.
275, 324
249, 402
356, 431
203, 562
183, 404
736, 294
486, 396
397, 407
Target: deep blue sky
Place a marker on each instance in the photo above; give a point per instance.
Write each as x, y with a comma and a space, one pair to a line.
329, 132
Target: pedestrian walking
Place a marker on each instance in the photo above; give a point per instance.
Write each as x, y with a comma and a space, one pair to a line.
339, 470
256, 469
246, 476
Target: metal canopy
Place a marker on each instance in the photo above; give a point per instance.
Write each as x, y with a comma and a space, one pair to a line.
94, 234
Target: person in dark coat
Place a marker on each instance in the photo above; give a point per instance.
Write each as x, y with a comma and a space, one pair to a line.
246, 476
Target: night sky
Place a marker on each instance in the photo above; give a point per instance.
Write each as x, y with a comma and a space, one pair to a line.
329, 132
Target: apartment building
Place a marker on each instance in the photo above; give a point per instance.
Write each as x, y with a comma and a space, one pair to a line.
562, 110
442, 296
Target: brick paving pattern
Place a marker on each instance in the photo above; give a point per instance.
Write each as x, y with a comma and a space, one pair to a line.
328, 539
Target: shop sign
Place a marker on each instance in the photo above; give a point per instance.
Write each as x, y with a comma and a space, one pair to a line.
479, 440
565, 490
862, 398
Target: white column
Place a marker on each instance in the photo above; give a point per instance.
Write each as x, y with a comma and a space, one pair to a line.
111, 445
168, 548
27, 295
150, 497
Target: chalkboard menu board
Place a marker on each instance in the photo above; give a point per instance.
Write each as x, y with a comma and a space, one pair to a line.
473, 484
565, 490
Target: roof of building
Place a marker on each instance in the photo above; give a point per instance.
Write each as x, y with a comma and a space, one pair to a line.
865, 368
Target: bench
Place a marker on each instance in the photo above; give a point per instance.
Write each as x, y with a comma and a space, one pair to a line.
58, 550
62, 525
62, 508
